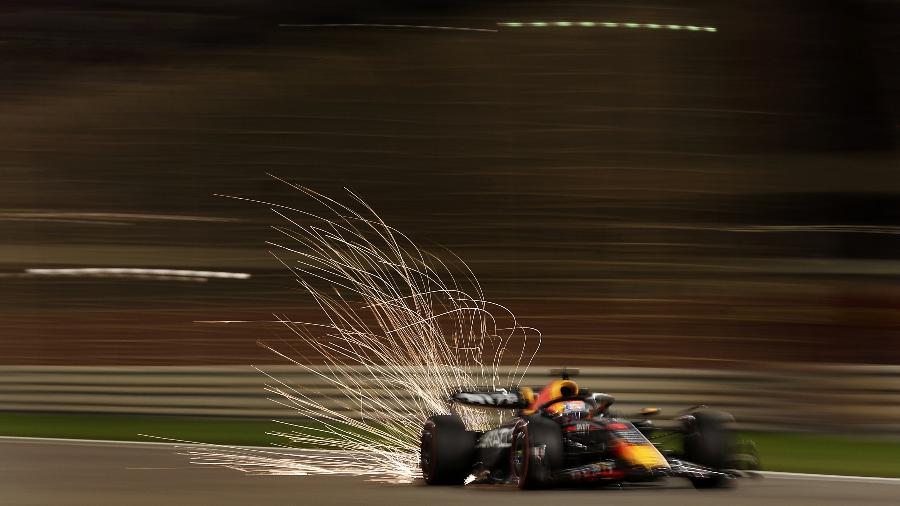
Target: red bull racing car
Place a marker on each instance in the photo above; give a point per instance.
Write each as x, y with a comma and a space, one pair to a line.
566, 436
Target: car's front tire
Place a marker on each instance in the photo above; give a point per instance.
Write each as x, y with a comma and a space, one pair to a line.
447, 450
708, 441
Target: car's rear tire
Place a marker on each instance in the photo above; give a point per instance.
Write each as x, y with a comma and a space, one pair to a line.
708, 441
536, 452
447, 450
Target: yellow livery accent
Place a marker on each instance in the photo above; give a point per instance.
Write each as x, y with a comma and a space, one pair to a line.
557, 386
527, 394
645, 455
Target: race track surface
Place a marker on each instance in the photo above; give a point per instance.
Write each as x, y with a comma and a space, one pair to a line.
42, 473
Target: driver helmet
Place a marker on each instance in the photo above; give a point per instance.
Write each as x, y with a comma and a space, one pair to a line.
569, 411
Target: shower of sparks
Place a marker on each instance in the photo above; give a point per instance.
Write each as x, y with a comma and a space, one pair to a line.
403, 329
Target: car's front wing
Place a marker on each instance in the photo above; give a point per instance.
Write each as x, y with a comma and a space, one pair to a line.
607, 470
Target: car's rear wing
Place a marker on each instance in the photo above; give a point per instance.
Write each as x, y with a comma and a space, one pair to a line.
504, 399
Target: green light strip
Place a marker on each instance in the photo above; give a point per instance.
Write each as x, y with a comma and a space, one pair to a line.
604, 24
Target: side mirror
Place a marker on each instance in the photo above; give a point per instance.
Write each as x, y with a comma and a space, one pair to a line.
603, 400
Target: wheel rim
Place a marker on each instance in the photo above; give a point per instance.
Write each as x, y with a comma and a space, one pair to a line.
520, 453
425, 453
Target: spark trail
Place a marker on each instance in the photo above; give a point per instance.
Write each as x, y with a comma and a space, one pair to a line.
402, 329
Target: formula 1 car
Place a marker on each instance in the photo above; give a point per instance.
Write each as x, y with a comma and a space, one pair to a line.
567, 436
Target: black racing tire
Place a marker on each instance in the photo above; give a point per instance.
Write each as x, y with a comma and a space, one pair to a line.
447, 450
708, 441
536, 452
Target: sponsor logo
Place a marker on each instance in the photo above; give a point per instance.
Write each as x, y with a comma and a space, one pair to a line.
539, 452
497, 438
602, 469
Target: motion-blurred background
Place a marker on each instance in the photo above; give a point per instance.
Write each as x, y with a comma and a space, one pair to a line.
644, 196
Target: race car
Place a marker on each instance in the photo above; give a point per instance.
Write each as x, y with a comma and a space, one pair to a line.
566, 436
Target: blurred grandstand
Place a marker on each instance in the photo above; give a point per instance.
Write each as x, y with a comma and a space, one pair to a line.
719, 198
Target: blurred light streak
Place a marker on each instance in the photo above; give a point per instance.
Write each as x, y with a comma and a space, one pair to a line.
381, 25
104, 218
605, 24
195, 279
130, 271
126, 216
853, 229
229, 321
